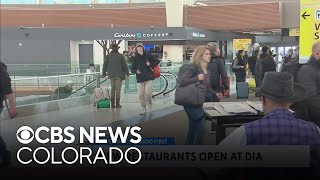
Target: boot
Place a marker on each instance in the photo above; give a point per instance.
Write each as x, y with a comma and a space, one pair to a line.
112, 103
118, 103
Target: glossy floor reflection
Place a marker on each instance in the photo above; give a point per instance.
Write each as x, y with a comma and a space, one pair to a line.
86, 115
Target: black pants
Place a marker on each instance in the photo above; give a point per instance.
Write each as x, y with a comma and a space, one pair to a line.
4, 153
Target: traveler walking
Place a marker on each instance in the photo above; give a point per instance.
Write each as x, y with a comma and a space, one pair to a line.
220, 74
6, 90
189, 76
142, 65
117, 68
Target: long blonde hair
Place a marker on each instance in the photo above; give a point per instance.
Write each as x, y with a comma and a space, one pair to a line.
197, 55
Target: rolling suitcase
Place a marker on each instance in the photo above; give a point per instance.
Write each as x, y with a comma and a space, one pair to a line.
242, 90
101, 97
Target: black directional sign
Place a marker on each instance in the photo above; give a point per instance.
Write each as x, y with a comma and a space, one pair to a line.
304, 15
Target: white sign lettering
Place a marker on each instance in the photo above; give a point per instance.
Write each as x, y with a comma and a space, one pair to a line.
198, 34
127, 35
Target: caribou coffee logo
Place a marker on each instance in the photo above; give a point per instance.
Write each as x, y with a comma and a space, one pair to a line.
126, 35
140, 35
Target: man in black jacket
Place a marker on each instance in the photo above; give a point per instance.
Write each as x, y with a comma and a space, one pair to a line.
142, 66
308, 75
6, 91
268, 63
221, 75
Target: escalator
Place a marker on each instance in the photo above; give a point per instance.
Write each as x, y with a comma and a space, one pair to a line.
164, 88
43, 88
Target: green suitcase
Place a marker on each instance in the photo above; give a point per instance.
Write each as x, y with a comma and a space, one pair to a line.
103, 103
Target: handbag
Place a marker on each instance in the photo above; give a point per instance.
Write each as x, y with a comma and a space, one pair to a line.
155, 70
252, 84
191, 95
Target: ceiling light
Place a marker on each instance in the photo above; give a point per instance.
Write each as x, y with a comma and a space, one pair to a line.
200, 4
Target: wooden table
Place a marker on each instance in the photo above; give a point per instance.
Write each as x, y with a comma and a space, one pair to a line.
231, 114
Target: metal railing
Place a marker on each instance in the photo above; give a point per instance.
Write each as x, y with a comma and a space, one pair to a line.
175, 82
30, 90
41, 89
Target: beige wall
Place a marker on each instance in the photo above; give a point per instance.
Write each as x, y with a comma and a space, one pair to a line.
290, 14
289, 9
174, 13
175, 52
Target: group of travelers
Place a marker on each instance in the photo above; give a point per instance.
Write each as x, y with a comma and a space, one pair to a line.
259, 63
279, 92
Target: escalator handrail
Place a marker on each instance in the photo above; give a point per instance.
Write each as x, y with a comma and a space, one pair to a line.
83, 87
164, 89
172, 89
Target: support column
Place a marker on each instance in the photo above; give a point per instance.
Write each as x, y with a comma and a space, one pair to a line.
174, 15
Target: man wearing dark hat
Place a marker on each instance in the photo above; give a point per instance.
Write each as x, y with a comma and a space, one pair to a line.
116, 66
278, 127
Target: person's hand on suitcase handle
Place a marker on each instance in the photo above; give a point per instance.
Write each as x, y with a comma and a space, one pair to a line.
219, 95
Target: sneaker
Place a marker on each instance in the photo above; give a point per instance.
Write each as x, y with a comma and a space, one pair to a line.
143, 111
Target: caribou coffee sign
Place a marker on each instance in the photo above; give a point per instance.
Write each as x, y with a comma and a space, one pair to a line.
198, 35
139, 35
127, 35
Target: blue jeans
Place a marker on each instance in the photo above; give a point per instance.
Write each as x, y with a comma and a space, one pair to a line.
196, 130
1, 110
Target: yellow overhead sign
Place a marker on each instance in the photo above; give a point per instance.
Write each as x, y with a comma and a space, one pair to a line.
294, 32
309, 27
241, 44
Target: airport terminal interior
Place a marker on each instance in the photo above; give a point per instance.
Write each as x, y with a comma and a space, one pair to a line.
49, 44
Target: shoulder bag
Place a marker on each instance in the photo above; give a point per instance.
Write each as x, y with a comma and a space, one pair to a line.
191, 95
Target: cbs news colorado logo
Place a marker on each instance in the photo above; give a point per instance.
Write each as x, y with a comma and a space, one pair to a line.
95, 135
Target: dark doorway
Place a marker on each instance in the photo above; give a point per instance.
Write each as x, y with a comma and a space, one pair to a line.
85, 56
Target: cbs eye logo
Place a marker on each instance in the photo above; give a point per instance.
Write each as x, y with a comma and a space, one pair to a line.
25, 134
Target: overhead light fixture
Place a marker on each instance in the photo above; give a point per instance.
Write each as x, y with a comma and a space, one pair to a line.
200, 4
259, 33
